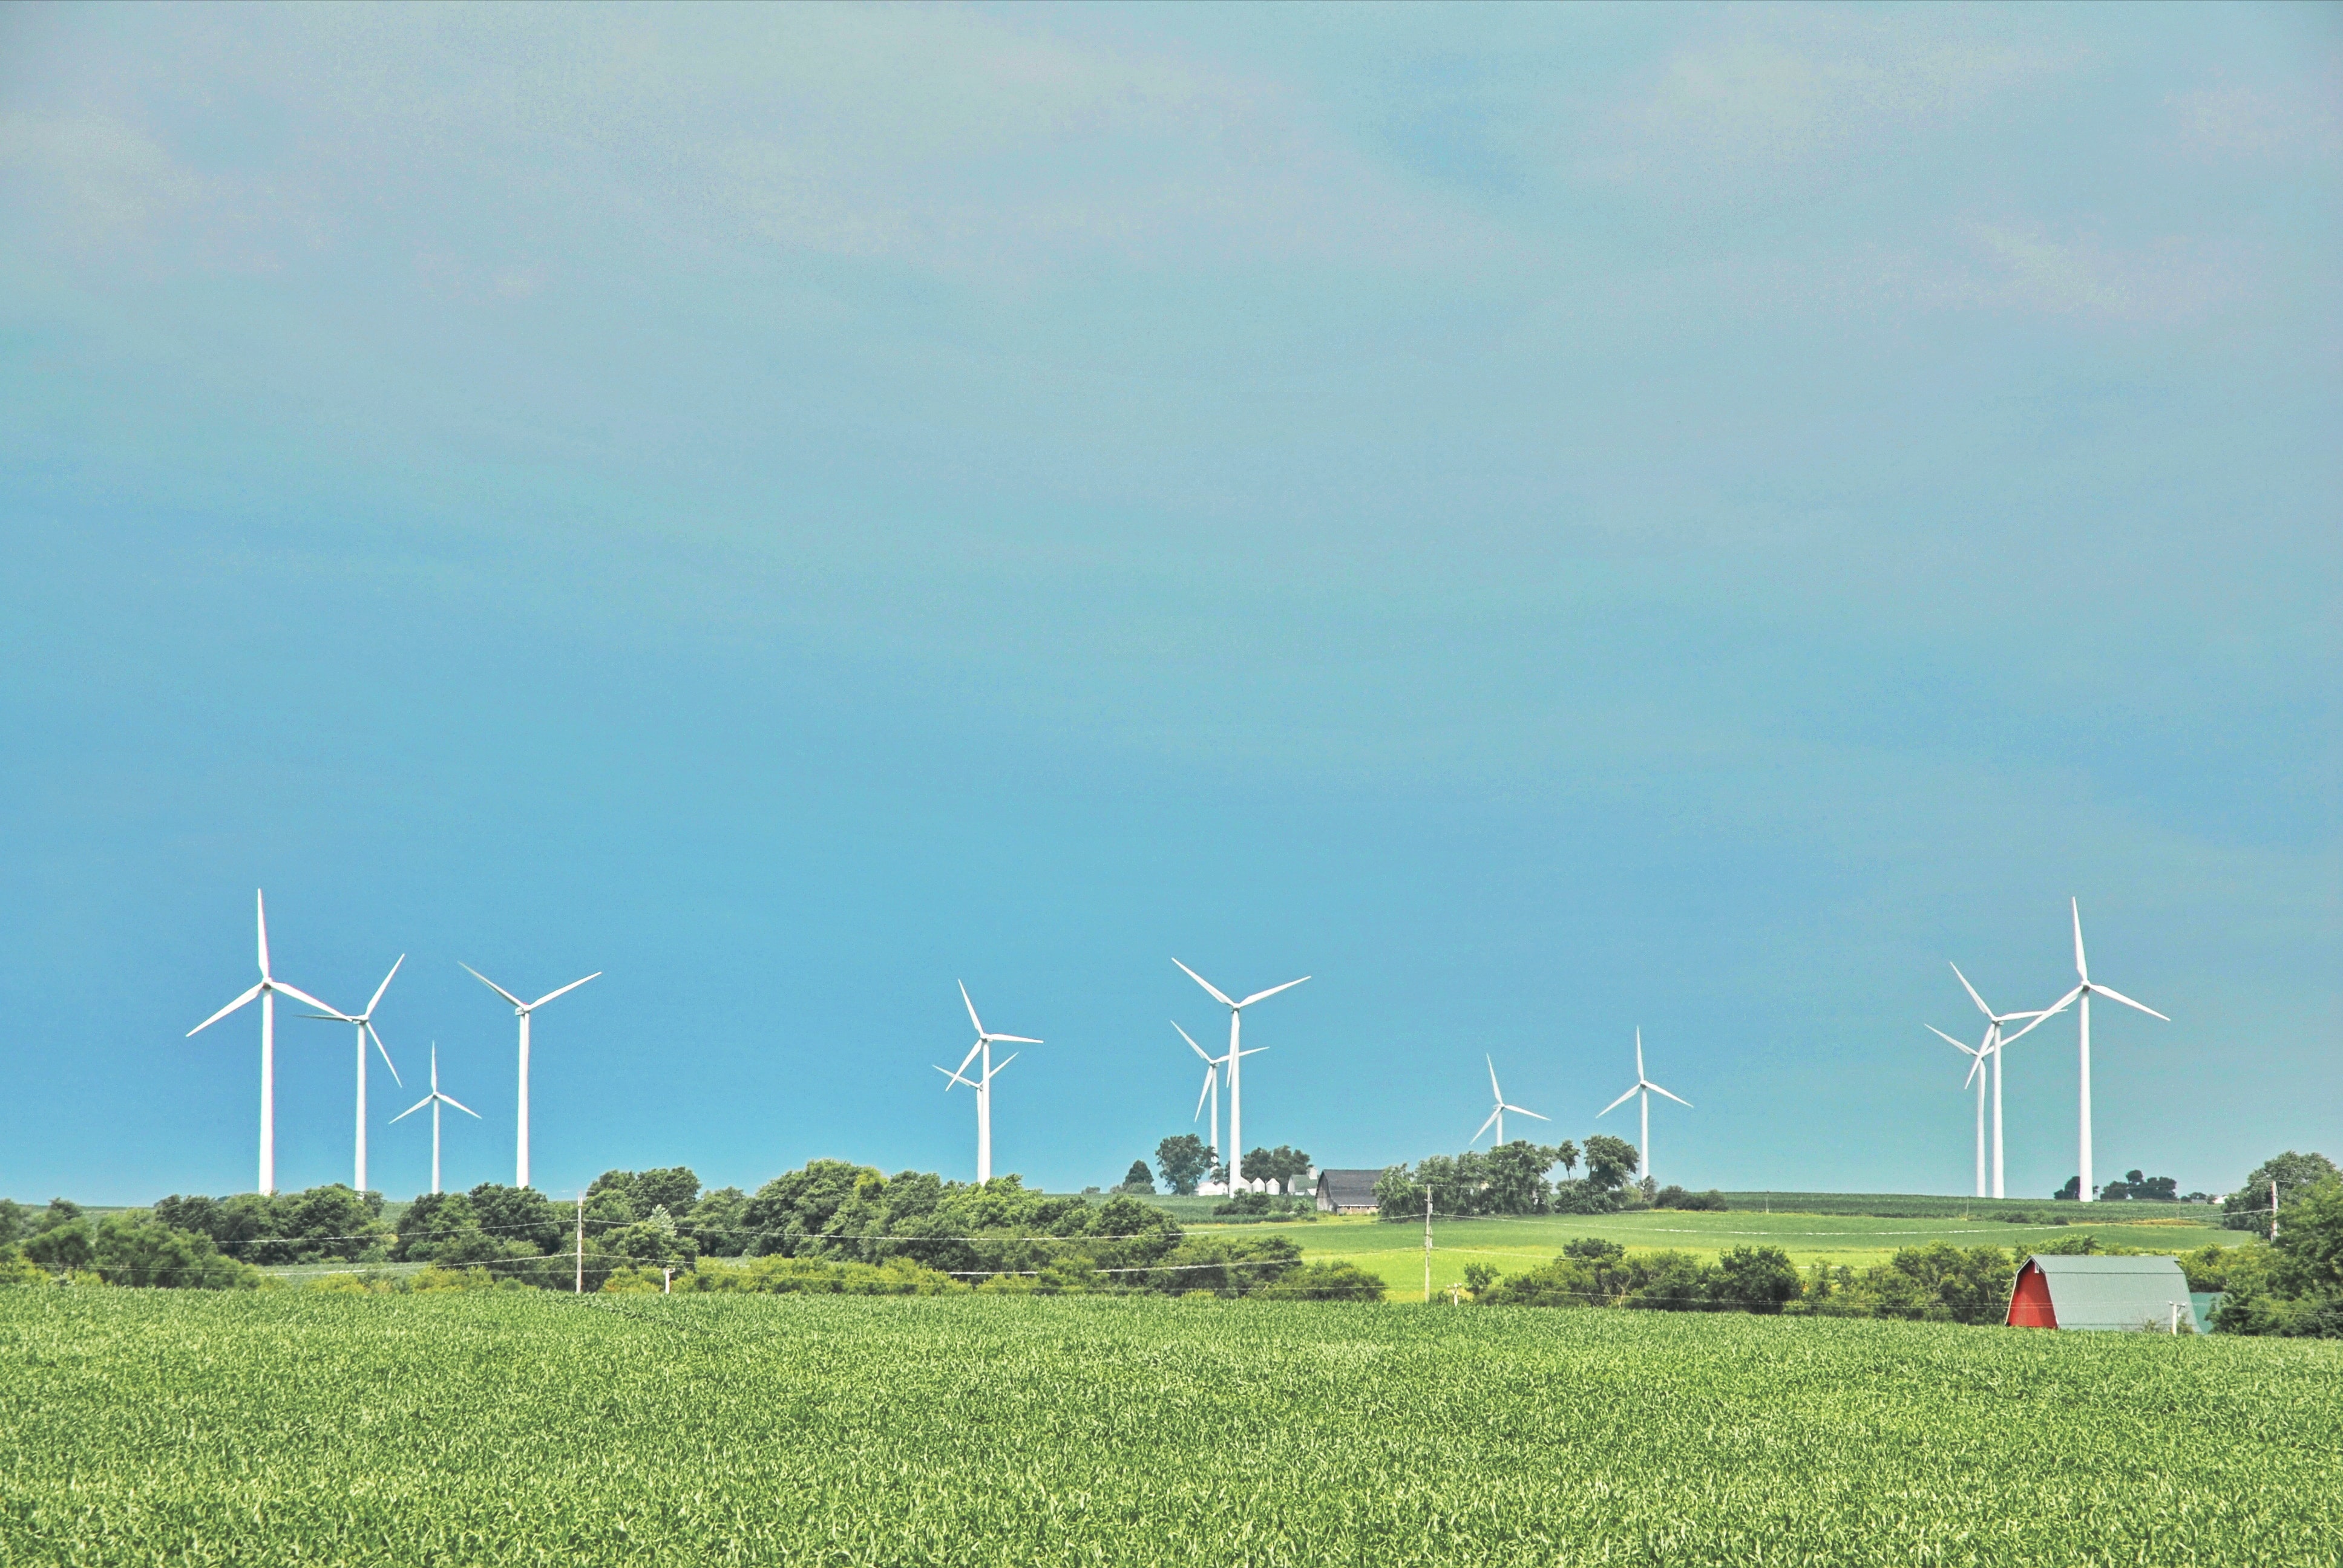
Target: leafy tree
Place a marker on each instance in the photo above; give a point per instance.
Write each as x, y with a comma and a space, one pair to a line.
2135, 1187
62, 1249
1183, 1161
16, 1220
1479, 1276
719, 1223
1611, 1161
1138, 1179
520, 1214
136, 1249
1753, 1280
1513, 1178
674, 1188
2071, 1191
1398, 1194
2248, 1208
1337, 1281
2300, 1292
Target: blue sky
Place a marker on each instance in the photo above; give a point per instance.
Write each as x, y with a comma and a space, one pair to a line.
1549, 521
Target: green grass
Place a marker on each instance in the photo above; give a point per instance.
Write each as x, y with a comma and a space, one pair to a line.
1396, 1251
142, 1427
1910, 1205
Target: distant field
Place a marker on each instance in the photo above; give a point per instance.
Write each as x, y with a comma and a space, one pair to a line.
1396, 1251
152, 1427
1909, 1205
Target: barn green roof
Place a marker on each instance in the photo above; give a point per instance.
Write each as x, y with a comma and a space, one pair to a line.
2122, 1292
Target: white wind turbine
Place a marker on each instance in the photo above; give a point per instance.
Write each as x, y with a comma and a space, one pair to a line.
364, 1022
982, 1084
267, 991
1235, 1158
1212, 1086
1992, 1042
2084, 990
434, 1100
520, 1163
1646, 1088
1977, 1076
1498, 1115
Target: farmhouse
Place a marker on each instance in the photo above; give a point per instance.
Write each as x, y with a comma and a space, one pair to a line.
1347, 1192
2134, 1293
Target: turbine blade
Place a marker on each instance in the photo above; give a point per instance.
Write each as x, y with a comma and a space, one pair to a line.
565, 990
313, 1001
969, 1057
2082, 973
491, 984
1208, 985
1000, 1067
1948, 1040
223, 1012
260, 921
2118, 996
1483, 1127
467, 1110
1975, 1067
385, 985
955, 1078
1639, 1053
1679, 1099
1525, 1111
1972, 990
386, 1054
1493, 1089
1620, 1101
413, 1109
1211, 1073
1272, 991
1014, 1039
969, 1005
1255, 1050
2039, 1019
1191, 1043
330, 1016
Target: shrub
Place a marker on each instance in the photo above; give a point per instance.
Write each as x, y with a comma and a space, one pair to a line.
1337, 1281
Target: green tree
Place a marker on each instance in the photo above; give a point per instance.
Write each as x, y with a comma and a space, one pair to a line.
2136, 1187
1514, 1178
1183, 1160
16, 1220
2300, 1293
2248, 1208
136, 1249
719, 1223
1336, 1281
1755, 1280
1137, 1178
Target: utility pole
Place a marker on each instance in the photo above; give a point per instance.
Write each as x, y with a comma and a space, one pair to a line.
2273, 1208
1427, 1246
581, 1243
668, 1287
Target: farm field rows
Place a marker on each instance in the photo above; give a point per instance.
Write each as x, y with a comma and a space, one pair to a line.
1396, 1251
142, 1427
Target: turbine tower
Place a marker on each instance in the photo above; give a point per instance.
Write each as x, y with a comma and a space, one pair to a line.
364, 1022
1646, 1088
2084, 990
1498, 1115
983, 1081
1235, 1158
267, 991
1994, 1040
434, 1100
1212, 1065
520, 1162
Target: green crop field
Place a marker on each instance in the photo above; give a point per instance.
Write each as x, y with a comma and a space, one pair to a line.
140, 1427
1395, 1251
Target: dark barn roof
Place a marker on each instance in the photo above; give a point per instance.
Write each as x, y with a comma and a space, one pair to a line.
1348, 1192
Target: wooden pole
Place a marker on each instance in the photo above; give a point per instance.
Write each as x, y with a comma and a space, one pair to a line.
2273, 1208
581, 1243
1427, 1246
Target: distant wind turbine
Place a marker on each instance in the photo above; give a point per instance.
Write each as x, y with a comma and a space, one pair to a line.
1646, 1088
434, 1100
1498, 1115
364, 1022
1235, 1158
520, 1161
267, 991
2084, 990
1212, 1065
1994, 1040
983, 1083
1979, 1054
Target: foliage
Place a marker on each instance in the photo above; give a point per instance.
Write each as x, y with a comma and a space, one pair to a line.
1673, 1197
1509, 1179
2299, 1291
1280, 1167
673, 1188
2137, 1188
1138, 1182
776, 1275
1333, 1281
15, 1221
1183, 1161
719, 1223
1939, 1282
320, 1224
130, 1248
2248, 1208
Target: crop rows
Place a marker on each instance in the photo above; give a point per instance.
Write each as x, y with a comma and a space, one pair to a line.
290, 1426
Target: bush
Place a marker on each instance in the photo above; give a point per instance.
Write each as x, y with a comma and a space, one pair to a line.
1330, 1282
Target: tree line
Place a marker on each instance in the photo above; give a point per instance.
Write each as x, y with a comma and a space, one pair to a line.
1516, 1178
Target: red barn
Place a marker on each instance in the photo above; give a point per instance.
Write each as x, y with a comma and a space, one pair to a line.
2135, 1293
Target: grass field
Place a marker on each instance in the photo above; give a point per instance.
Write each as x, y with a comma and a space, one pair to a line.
1396, 1251
140, 1427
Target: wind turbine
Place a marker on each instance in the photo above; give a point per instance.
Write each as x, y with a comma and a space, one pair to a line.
434, 1100
983, 1082
267, 991
1498, 1115
364, 1022
1994, 1040
1235, 1158
1977, 1076
520, 1164
1212, 1086
1646, 1088
2084, 990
